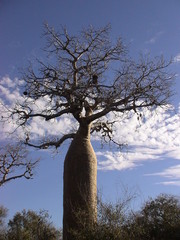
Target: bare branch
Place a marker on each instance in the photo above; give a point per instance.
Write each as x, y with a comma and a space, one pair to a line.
48, 144
105, 128
14, 163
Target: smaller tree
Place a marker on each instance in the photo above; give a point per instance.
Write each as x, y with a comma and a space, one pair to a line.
14, 163
111, 219
30, 225
159, 219
3, 215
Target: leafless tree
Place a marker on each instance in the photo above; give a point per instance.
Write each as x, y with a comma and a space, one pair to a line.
14, 163
87, 76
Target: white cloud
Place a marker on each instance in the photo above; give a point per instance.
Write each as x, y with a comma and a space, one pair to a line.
172, 173
153, 39
6, 81
177, 58
9, 95
113, 161
170, 183
156, 137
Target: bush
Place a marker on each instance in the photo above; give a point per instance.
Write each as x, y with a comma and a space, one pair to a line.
158, 219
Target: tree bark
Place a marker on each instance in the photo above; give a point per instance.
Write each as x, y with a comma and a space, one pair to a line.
80, 184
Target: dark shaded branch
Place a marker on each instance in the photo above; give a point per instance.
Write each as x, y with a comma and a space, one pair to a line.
51, 116
48, 144
8, 179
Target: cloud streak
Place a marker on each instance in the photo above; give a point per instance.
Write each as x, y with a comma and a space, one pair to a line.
172, 173
153, 39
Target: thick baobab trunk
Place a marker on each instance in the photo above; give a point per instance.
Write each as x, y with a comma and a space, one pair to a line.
80, 183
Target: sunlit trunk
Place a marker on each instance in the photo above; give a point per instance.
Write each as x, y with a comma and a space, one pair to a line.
80, 183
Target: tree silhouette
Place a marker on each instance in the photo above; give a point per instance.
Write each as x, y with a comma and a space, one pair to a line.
158, 218
32, 225
14, 163
87, 76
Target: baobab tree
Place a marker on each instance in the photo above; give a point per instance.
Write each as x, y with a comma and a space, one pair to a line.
87, 76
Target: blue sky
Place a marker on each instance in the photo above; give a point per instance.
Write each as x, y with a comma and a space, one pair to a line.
150, 164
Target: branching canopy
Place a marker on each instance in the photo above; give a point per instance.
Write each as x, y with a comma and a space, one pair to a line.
14, 163
89, 76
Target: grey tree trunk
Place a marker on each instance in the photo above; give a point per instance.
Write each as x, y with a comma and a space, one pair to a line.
80, 183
